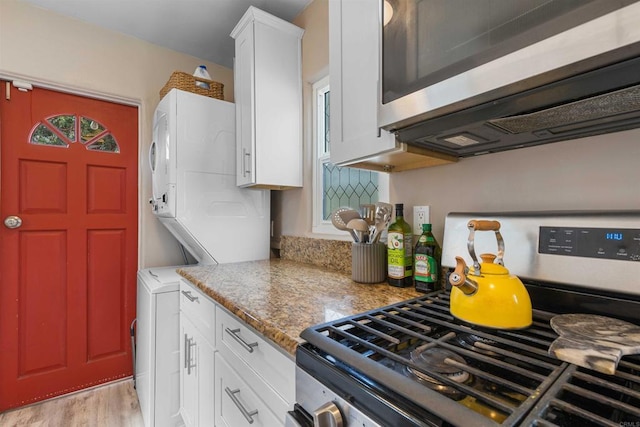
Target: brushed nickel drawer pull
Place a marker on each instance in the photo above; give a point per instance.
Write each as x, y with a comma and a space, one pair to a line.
248, 415
189, 296
247, 346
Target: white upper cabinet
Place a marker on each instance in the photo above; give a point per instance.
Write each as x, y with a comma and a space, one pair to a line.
268, 97
353, 78
354, 55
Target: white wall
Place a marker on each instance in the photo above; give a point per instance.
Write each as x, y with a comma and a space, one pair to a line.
596, 173
292, 209
44, 47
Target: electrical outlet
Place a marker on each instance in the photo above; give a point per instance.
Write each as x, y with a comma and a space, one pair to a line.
420, 216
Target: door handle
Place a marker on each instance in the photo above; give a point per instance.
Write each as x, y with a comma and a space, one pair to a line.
12, 221
186, 349
152, 156
191, 363
246, 163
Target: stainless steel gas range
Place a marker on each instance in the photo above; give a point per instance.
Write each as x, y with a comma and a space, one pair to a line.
414, 364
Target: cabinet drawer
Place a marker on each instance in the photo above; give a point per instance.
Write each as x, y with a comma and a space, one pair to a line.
199, 309
236, 404
237, 341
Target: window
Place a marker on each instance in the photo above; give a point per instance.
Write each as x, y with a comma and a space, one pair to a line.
61, 131
336, 186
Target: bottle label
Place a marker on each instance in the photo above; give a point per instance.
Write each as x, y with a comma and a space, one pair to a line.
399, 255
426, 268
408, 244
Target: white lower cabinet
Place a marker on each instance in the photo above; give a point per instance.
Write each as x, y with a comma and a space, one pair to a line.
264, 375
236, 402
230, 374
196, 359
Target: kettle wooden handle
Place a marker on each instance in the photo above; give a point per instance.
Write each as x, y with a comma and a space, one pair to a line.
459, 279
458, 276
483, 225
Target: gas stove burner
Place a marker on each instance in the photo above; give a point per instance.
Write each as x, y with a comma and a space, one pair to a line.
475, 343
443, 362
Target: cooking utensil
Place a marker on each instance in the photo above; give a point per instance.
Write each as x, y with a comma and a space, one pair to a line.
594, 342
347, 214
383, 218
368, 213
341, 216
361, 228
486, 294
385, 207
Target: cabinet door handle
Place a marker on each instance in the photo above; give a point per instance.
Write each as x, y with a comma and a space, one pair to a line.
247, 415
186, 351
190, 343
189, 296
246, 162
234, 334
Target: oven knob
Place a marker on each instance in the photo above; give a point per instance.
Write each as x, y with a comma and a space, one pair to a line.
328, 415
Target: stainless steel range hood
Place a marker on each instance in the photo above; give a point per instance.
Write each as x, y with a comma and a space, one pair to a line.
602, 101
514, 102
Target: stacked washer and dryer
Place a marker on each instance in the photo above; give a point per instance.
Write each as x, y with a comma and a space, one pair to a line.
193, 168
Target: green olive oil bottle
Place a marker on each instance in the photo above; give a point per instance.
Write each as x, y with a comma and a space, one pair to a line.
400, 251
427, 258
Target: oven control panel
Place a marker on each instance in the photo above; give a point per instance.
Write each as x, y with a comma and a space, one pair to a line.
620, 243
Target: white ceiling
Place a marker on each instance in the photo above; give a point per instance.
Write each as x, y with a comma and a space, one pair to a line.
197, 27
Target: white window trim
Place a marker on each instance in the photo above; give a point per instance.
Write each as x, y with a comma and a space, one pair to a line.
320, 226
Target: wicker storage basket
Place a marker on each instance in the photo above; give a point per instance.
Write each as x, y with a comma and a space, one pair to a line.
187, 82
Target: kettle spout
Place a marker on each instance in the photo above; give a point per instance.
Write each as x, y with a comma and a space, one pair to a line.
460, 280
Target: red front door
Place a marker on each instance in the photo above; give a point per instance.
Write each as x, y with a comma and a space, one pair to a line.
69, 242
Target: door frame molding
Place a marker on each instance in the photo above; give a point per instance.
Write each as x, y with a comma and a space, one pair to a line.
103, 96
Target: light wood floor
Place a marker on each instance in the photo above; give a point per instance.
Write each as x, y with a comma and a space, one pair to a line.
111, 405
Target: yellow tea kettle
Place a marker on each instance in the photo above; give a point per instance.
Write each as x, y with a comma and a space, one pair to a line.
486, 294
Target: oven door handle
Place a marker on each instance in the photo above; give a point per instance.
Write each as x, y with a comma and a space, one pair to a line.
328, 415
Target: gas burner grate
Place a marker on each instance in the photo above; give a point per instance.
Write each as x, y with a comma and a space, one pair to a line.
510, 369
588, 398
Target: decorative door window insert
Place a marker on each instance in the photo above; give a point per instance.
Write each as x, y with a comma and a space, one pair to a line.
62, 130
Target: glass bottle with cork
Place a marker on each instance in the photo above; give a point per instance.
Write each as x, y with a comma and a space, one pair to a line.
427, 258
400, 251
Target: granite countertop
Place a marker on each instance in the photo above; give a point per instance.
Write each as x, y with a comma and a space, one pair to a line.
280, 298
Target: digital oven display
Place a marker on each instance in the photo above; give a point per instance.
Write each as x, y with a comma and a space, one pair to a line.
621, 244
614, 236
